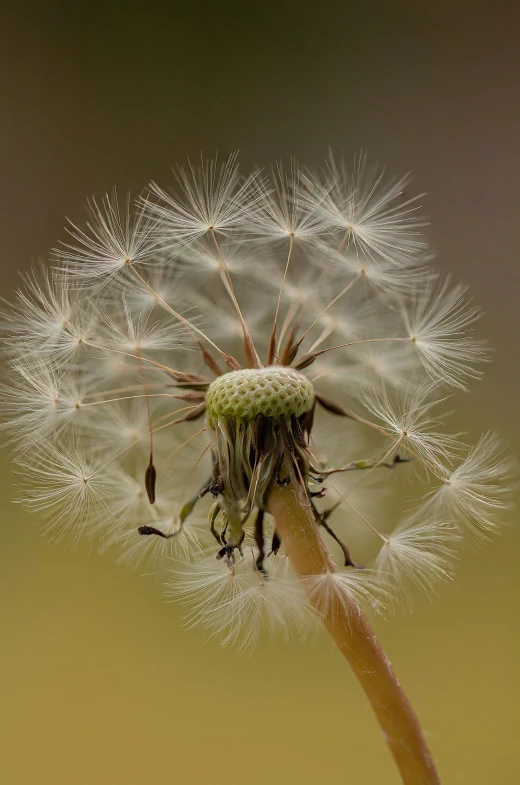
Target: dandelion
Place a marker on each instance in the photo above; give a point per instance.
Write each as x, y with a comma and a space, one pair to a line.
198, 368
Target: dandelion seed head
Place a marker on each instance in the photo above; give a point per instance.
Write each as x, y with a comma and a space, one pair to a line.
189, 352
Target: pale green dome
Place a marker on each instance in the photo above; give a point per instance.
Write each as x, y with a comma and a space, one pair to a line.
274, 391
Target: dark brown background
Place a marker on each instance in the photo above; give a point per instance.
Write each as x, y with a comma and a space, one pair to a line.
99, 683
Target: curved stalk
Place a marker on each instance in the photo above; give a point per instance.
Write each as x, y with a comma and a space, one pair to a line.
353, 636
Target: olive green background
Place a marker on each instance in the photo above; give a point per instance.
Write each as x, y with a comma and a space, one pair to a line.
99, 682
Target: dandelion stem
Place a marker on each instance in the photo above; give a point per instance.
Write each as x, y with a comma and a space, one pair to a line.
353, 636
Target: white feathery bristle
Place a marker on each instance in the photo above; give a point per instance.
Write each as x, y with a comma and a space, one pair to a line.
129, 502
370, 365
217, 320
378, 273
281, 212
49, 323
474, 495
112, 238
154, 554
407, 420
375, 216
417, 555
438, 321
136, 333
115, 426
235, 603
166, 283
39, 403
203, 260
211, 197
342, 592
69, 488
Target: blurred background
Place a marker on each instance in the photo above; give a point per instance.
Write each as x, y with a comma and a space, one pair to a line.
99, 682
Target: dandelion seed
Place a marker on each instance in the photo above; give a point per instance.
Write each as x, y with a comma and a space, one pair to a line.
185, 542
165, 277
202, 261
49, 323
281, 212
368, 366
128, 503
235, 604
410, 426
474, 495
378, 273
211, 197
120, 426
112, 239
415, 555
39, 403
140, 333
438, 322
64, 485
369, 211
339, 588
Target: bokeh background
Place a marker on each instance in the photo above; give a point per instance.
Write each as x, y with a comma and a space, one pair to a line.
99, 682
